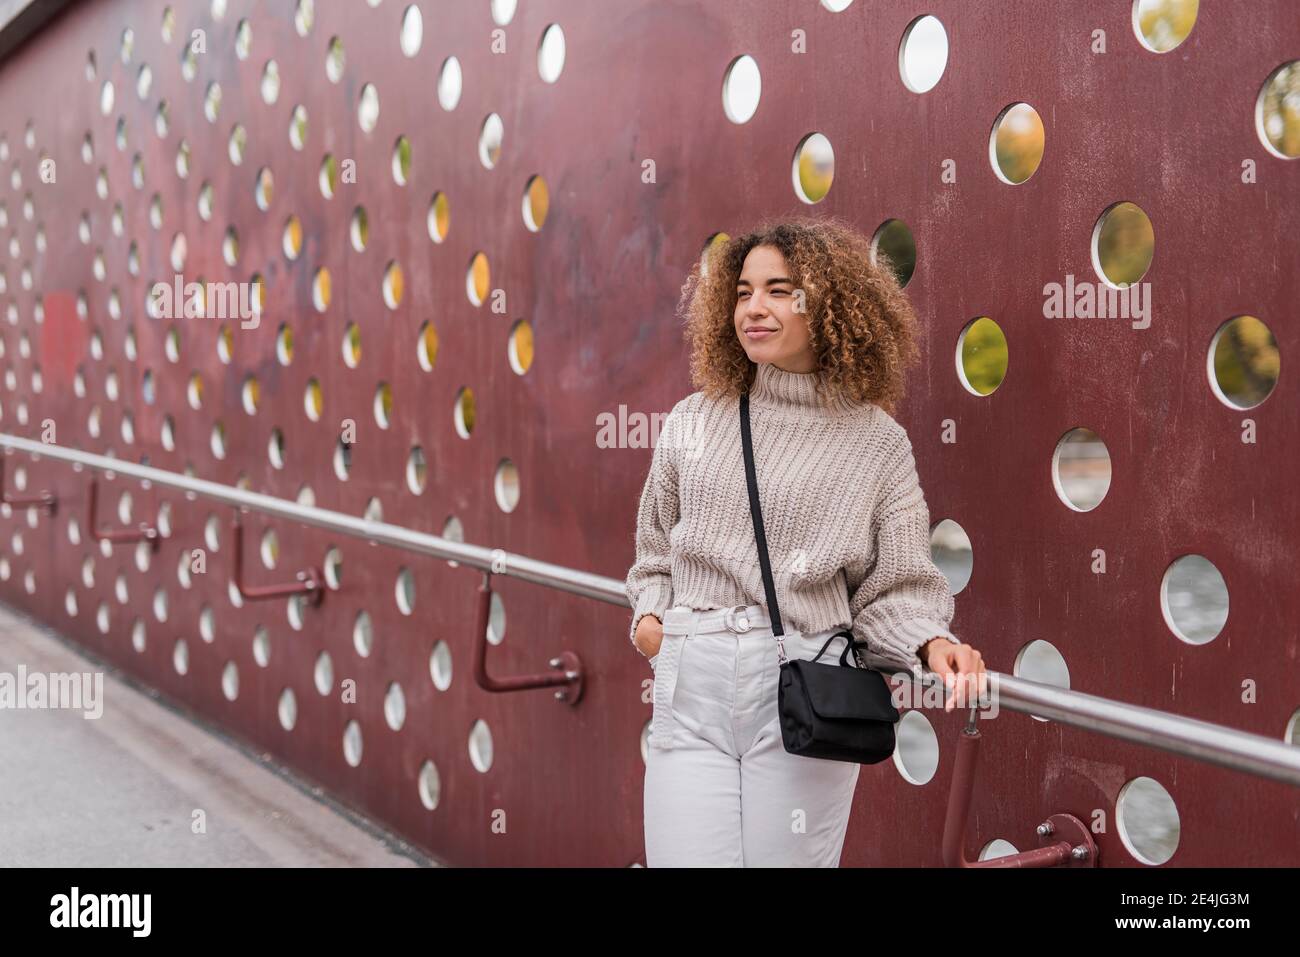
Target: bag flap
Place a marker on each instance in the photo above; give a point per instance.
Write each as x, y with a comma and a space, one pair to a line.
835, 691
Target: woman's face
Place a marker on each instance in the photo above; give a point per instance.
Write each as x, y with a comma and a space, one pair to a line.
770, 320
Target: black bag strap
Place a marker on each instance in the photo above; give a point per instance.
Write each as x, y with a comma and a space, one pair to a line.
751, 479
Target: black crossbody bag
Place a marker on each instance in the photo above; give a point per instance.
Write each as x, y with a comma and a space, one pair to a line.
843, 712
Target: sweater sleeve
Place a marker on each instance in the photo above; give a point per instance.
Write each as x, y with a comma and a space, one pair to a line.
904, 600
649, 580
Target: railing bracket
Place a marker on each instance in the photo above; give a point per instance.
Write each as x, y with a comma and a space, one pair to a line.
1063, 839
143, 532
307, 582
568, 683
43, 499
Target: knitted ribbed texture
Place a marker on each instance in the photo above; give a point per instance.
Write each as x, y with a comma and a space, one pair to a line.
848, 529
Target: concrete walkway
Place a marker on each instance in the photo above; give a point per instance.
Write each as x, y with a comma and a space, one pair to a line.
120, 790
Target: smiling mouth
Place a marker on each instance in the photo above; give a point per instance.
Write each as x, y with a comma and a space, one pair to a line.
759, 332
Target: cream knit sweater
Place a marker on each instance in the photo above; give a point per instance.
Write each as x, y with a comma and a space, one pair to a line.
848, 529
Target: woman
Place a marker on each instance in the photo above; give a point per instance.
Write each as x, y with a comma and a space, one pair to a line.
801, 316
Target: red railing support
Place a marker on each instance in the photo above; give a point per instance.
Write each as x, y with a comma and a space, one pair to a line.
308, 581
568, 678
143, 532
1065, 841
44, 499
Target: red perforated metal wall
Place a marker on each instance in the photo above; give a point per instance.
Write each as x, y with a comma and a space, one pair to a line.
598, 284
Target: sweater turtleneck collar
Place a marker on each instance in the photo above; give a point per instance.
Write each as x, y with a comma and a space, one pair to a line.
796, 392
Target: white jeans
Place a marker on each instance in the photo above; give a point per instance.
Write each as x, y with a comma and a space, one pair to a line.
720, 788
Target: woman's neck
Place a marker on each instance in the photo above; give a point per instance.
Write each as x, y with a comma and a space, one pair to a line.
796, 392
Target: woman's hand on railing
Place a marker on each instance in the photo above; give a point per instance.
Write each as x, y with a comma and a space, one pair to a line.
649, 635
962, 669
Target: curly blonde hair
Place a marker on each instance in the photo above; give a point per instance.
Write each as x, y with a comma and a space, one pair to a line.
862, 327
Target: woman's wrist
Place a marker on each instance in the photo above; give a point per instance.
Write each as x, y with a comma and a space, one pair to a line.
924, 651
637, 624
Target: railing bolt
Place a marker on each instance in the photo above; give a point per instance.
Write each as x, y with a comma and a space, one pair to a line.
1079, 853
555, 662
1045, 829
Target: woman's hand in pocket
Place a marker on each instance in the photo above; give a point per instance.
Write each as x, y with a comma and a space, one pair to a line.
649, 635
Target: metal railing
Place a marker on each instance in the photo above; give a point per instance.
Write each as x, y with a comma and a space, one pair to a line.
1201, 740
495, 560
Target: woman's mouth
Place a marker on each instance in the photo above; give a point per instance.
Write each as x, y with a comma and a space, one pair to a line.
756, 333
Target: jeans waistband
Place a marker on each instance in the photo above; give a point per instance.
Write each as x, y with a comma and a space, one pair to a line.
739, 619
